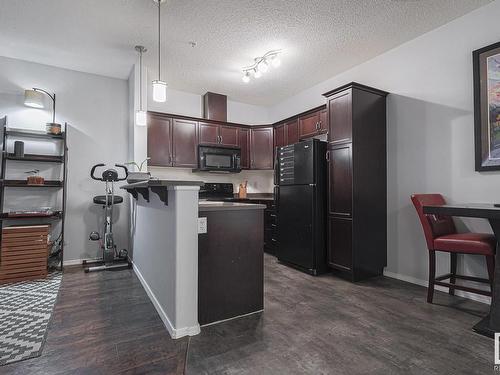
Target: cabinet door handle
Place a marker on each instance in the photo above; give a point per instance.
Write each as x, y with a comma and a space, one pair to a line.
220, 138
328, 156
319, 127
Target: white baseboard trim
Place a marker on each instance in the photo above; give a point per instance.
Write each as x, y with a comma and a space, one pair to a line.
73, 262
460, 293
175, 333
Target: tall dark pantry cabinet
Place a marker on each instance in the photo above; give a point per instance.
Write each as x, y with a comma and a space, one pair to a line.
357, 181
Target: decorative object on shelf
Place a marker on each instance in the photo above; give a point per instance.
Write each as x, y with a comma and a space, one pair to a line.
19, 149
140, 115
139, 175
261, 65
35, 179
486, 70
53, 128
34, 98
242, 192
159, 86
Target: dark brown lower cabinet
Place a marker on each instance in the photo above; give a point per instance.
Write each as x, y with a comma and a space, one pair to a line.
230, 264
357, 181
340, 243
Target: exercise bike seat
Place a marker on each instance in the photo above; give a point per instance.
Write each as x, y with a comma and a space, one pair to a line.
101, 199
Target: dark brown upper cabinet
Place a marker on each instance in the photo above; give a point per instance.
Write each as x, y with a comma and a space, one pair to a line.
261, 148
159, 141
323, 121
280, 135
216, 134
292, 131
209, 133
228, 135
244, 142
184, 143
340, 121
311, 125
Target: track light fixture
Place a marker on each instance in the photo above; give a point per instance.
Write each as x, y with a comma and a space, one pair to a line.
261, 65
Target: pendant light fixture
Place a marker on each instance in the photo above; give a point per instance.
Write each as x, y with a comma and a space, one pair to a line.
140, 115
159, 86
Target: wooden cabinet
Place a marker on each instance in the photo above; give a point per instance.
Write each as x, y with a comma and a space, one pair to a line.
323, 121
228, 135
244, 142
173, 141
292, 131
184, 143
308, 125
357, 181
340, 243
312, 124
340, 122
279, 136
340, 180
159, 141
216, 134
261, 148
209, 133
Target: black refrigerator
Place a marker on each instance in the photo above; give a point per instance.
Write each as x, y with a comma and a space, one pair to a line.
300, 179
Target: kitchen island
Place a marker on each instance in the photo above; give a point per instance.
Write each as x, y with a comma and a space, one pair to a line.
230, 260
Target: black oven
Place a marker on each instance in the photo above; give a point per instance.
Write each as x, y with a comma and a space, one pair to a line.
219, 159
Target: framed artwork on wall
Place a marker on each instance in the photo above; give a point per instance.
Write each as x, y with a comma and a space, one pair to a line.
486, 69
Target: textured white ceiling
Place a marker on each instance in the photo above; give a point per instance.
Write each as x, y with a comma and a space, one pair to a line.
320, 38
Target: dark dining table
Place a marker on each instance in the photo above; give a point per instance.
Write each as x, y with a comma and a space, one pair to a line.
490, 323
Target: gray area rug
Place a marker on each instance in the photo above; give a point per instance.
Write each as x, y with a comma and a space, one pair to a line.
25, 311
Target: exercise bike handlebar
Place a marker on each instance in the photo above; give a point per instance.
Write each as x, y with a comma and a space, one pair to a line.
125, 170
92, 172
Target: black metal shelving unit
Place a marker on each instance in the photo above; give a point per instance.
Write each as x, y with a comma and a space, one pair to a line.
49, 184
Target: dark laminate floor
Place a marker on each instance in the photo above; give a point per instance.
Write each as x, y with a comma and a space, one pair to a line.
104, 323
321, 325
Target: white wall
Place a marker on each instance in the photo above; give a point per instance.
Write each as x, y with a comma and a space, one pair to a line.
96, 108
187, 104
430, 130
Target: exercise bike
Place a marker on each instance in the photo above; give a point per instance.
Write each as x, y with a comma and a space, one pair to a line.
111, 258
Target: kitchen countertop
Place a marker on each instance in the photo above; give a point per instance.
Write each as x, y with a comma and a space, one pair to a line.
222, 206
257, 196
161, 183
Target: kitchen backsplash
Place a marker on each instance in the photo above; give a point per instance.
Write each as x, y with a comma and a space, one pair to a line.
258, 181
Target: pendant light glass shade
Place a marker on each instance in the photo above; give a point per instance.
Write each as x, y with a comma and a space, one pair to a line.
159, 91
140, 118
33, 99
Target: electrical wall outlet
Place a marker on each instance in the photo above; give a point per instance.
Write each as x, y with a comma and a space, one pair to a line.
202, 225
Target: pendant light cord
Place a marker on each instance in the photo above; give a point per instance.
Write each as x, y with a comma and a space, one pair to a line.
159, 41
140, 80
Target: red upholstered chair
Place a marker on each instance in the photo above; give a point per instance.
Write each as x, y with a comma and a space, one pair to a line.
441, 235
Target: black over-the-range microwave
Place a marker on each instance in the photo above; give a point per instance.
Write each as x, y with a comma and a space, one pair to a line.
218, 159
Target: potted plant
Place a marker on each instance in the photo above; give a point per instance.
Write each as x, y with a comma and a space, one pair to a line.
139, 175
34, 178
